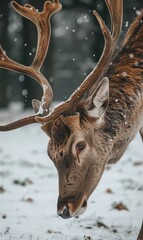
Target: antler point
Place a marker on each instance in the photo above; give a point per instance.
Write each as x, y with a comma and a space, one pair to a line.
14, 4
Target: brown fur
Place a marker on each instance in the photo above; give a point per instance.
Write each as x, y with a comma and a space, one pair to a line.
126, 80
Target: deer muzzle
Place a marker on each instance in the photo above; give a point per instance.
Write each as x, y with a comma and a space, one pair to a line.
71, 207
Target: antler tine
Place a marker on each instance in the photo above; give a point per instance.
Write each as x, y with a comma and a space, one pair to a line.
42, 22
17, 124
7, 63
86, 88
116, 13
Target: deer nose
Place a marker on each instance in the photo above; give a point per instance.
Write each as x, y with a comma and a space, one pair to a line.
63, 209
64, 213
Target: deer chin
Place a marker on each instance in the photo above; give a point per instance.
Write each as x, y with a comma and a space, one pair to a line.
81, 210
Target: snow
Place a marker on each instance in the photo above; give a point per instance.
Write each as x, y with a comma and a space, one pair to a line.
29, 212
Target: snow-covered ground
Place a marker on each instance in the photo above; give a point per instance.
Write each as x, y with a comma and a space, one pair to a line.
29, 191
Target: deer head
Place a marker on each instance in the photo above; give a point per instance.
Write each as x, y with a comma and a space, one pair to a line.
76, 154
74, 127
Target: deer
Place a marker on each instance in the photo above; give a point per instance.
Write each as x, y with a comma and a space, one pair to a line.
96, 124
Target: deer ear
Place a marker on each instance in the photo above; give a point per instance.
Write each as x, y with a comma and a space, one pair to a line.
36, 105
100, 100
46, 127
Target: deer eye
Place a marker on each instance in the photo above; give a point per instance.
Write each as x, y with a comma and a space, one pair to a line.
80, 146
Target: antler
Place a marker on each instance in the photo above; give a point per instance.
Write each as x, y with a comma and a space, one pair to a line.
93, 79
42, 22
87, 87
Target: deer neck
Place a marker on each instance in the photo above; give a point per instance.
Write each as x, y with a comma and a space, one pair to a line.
122, 123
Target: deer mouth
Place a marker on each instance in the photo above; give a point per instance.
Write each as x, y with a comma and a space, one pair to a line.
68, 209
82, 209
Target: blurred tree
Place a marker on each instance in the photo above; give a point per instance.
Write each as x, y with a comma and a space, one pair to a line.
4, 13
